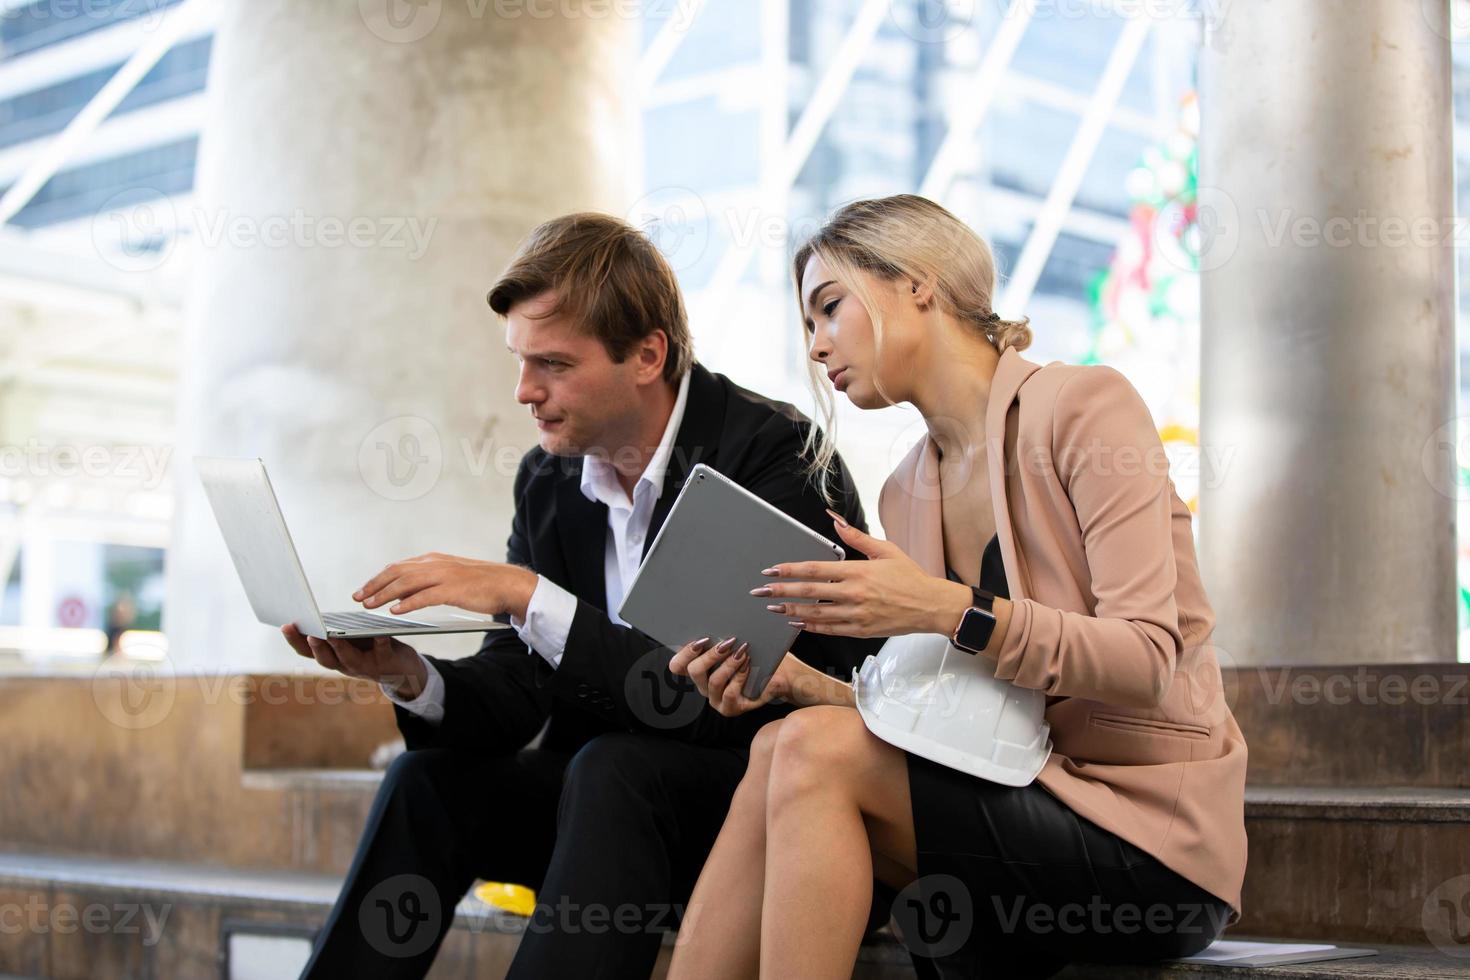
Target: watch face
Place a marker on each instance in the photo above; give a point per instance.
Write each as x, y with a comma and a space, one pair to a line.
975, 629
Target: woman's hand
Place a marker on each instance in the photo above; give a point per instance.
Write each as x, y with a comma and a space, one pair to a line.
887, 595
720, 675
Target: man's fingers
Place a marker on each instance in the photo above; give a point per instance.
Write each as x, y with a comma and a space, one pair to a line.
322, 651
394, 588
297, 640
375, 583
431, 596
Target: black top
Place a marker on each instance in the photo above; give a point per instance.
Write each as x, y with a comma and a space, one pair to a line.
992, 570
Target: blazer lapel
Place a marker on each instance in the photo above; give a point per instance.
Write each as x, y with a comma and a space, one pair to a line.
581, 525
694, 443
1010, 373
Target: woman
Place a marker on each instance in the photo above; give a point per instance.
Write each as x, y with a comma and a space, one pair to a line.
1048, 486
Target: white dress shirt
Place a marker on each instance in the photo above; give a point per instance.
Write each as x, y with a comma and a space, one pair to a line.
552, 608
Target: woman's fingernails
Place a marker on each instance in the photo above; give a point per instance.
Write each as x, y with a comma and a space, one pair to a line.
771, 571
741, 653
841, 521
764, 590
701, 644
724, 647
778, 607
797, 623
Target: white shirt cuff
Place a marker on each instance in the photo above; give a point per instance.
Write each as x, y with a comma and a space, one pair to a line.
429, 705
548, 622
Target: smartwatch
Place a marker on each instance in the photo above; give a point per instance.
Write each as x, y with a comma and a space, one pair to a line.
978, 622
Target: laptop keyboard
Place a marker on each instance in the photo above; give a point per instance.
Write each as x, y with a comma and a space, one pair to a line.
348, 621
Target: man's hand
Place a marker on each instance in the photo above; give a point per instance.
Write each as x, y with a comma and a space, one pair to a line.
488, 587
380, 658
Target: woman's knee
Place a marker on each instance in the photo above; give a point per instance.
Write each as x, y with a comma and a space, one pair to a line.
811, 749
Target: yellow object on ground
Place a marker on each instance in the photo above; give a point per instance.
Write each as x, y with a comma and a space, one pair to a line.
515, 899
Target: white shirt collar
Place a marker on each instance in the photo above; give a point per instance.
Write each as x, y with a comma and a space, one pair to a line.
600, 480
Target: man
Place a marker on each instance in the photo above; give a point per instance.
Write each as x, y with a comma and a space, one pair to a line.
610, 814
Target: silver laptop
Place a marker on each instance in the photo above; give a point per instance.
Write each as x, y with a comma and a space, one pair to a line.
248, 515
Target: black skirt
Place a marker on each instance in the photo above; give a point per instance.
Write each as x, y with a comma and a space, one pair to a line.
1013, 883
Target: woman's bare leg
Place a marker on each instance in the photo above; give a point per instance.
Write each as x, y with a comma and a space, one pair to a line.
837, 795
720, 935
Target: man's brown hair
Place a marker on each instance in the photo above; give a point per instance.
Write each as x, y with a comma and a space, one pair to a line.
608, 277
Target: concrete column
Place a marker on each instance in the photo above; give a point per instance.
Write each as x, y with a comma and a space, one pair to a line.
1327, 523
367, 168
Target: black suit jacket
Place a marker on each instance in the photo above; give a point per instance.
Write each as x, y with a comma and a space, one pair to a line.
612, 677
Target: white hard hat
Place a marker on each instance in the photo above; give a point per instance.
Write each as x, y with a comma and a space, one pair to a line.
926, 696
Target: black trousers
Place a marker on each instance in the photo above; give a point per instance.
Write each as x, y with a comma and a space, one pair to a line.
612, 839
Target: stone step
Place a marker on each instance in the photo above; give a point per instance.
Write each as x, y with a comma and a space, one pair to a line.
1356, 725
70, 916
1332, 863
97, 917
1355, 864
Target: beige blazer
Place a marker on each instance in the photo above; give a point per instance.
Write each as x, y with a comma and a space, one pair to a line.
1110, 619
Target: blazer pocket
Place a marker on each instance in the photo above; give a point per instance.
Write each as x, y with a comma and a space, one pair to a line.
1149, 726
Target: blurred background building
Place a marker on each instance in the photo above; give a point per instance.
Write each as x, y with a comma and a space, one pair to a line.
757, 120
266, 227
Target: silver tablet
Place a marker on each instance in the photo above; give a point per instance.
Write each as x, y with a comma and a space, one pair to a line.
696, 578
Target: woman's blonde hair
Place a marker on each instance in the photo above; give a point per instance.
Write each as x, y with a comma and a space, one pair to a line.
893, 238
